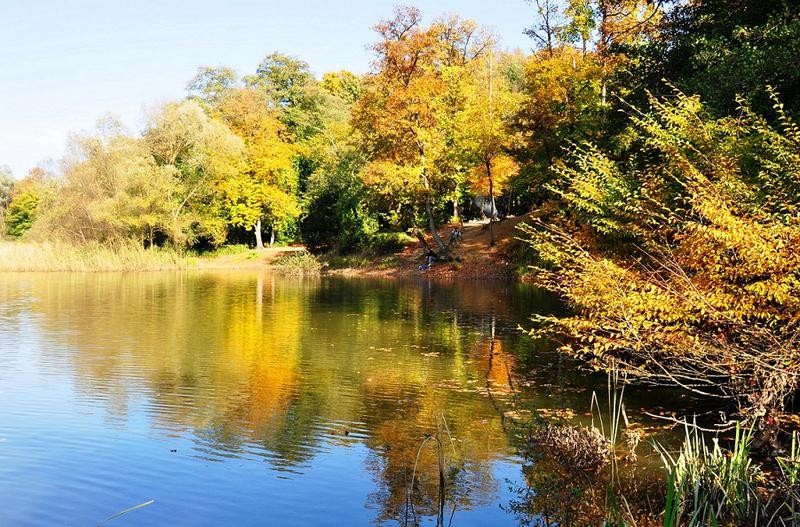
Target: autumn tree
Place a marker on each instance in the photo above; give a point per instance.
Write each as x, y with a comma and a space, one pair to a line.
490, 103
265, 185
404, 110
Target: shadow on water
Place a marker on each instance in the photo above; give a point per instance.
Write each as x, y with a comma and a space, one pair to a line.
332, 383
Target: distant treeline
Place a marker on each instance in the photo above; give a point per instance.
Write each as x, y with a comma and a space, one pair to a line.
444, 116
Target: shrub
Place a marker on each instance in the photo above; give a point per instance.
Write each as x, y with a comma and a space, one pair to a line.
680, 259
298, 264
388, 242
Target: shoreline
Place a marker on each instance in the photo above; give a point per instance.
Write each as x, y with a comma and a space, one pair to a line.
473, 258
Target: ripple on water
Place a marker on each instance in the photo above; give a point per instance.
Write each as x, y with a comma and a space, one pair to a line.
231, 397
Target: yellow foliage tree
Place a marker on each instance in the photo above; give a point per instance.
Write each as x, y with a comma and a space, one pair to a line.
264, 188
406, 113
489, 105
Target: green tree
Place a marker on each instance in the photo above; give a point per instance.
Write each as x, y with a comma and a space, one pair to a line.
204, 153
211, 84
721, 49
22, 212
6, 187
337, 213
25, 205
290, 87
343, 84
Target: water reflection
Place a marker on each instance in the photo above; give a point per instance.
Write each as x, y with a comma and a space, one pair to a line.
332, 382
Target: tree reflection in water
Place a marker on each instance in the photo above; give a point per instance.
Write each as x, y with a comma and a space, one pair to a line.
257, 367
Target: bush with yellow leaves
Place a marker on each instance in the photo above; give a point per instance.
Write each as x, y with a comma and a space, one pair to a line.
681, 259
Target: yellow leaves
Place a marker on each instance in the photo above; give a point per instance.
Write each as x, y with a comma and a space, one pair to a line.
264, 184
501, 168
684, 268
389, 177
411, 109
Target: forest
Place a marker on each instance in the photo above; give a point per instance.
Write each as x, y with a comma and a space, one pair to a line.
652, 146
447, 124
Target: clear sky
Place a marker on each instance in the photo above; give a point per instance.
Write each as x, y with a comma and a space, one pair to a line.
65, 63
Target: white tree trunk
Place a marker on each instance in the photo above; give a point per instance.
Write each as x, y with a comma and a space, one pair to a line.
257, 230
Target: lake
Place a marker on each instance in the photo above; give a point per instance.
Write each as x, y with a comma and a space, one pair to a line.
246, 398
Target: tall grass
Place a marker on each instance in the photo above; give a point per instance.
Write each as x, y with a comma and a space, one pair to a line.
298, 264
60, 256
709, 486
710, 481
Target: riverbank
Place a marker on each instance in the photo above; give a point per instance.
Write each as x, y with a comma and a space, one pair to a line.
473, 256
18, 256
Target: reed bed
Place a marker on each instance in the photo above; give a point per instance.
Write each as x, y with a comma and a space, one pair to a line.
60, 256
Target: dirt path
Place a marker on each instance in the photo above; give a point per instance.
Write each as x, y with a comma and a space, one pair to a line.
473, 257
254, 259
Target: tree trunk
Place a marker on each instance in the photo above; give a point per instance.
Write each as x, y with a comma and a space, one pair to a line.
257, 230
456, 215
271, 235
432, 224
421, 237
492, 205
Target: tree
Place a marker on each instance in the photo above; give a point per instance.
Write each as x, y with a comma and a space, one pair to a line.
112, 191
204, 153
6, 187
721, 49
212, 84
343, 84
404, 110
25, 203
547, 28
679, 259
264, 188
290, 87
22, 212
562, 103
490, 104
338, 212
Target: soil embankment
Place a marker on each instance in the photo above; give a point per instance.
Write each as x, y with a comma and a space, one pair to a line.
473, 256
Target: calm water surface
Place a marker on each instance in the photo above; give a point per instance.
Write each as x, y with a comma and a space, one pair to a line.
238, 398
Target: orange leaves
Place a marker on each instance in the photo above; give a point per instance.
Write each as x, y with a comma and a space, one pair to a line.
501, 167
408, 110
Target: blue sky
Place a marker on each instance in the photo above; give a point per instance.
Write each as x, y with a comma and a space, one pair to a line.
65, 63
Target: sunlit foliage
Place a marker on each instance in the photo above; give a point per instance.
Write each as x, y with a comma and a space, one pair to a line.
406, 111
680, 260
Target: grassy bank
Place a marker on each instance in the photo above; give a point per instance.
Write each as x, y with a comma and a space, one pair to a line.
59, 256
23, 256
